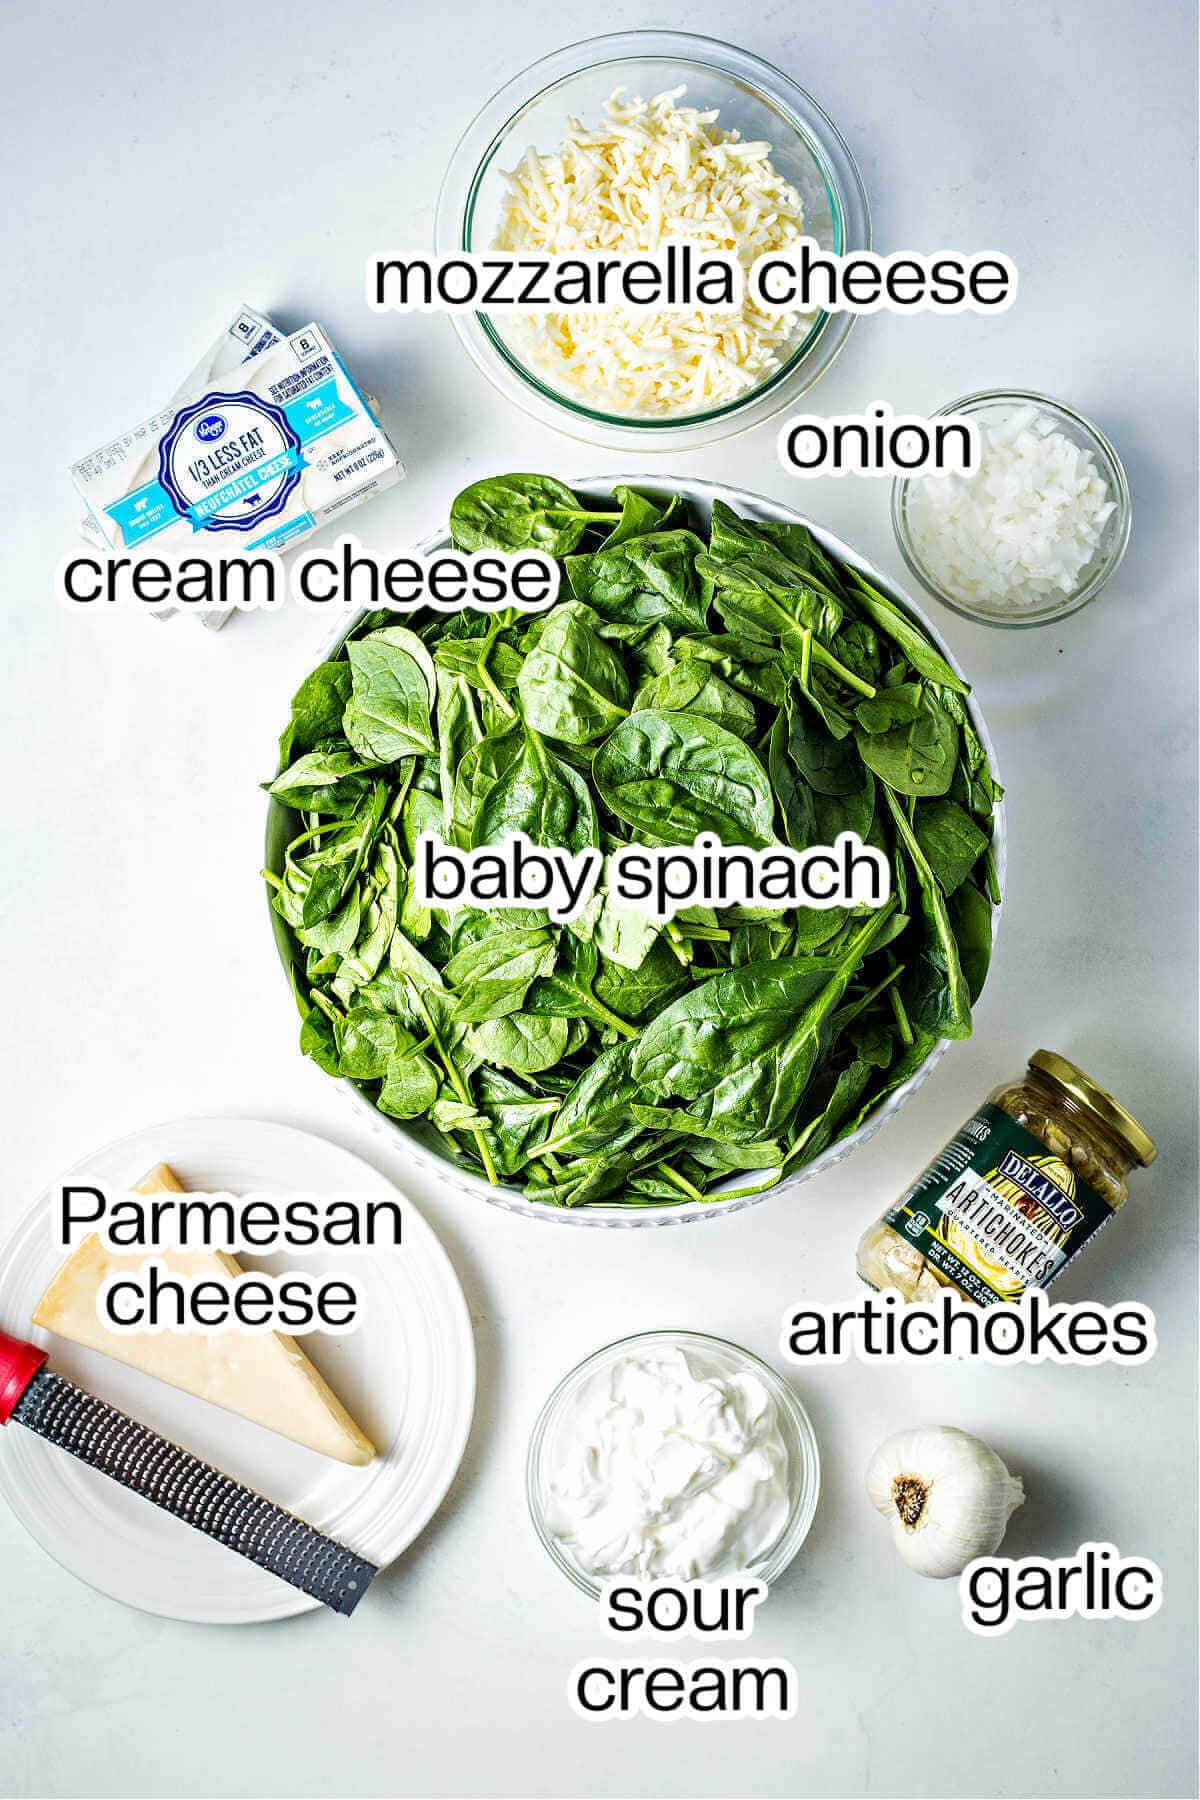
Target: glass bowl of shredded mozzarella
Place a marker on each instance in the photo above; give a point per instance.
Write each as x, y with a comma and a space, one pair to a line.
630, 144
1036, 531
672, 1456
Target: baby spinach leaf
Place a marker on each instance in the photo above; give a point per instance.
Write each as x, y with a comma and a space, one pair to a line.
393, 689
336, 932
971, 918
857, 647
974, 784
369, 1040
317, 708
410, 1083
891, 706
829, 1108
525, 1042
572, 686
739, 1050
318, 1040
624, 932
847, 812
522, 512
769, 602
951, 841
540, 794
569, 991
695, 687
494, 974
904, 631
381, 909
917, 757
332, 782
751, 667
638, 516
936, 992
479, 769
672, 775
638, 993
643, 580
829, 765
485, 663
595, 1113
732, 538
792, 791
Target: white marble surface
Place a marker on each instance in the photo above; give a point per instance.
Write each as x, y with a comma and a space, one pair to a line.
164, 164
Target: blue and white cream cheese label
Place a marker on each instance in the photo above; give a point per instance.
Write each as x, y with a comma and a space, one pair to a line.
287, 445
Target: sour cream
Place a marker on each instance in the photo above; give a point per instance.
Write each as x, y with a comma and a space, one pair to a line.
664, 1473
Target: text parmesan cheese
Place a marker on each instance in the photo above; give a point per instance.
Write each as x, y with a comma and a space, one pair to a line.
652, 173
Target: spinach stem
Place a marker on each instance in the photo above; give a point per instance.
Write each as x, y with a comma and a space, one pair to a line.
457, 1083
680, 1181
843, 674
759, 1187
472, 710
403, 783
326, 1005
860, 1006
900, 1016
612, 1018
992, 877
678, 943
488, 682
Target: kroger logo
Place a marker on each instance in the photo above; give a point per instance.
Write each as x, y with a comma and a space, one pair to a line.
210, 428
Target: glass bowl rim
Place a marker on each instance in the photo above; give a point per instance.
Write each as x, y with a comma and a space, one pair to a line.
1113, 469
808, 1488
846, 192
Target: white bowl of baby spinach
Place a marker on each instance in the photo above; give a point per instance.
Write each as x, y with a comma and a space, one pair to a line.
778, 689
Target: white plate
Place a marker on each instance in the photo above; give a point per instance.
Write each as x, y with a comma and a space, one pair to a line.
407, 1375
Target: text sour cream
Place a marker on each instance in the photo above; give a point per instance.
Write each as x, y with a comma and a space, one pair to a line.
665, 1473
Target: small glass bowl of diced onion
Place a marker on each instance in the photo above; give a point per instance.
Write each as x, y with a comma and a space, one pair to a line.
546, 139
1036, 532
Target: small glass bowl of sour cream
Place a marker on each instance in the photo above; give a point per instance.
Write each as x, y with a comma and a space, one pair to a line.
672, 1456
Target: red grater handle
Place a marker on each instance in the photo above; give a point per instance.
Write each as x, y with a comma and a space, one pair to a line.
19, 1363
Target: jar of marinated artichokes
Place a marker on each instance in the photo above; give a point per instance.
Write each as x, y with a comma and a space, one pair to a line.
1016, 1195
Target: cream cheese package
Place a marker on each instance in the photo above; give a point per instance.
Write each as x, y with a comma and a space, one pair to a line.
255, 460
247, 334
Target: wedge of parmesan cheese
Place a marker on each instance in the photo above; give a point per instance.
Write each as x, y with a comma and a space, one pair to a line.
263, 1376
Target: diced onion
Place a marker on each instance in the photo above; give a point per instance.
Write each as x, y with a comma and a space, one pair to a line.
1019, 532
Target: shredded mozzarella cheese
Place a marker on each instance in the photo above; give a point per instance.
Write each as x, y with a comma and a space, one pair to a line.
653, 172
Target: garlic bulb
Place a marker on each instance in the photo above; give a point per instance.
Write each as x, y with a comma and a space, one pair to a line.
948, 1495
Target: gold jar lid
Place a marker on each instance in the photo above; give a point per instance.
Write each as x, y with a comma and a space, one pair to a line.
1099, 1101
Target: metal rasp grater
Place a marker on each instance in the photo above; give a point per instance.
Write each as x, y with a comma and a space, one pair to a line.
173, 1479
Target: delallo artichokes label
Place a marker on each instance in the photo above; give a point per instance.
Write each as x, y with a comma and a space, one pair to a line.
997, 1213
